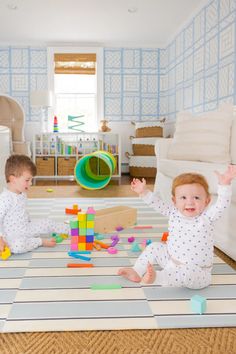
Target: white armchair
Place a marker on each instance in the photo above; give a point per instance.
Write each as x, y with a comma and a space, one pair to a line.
168, 168
12, 116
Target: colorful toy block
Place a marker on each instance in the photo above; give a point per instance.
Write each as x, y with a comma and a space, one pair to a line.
5, 254
135, 247
165, 236
198, 304
74, 211
83, 228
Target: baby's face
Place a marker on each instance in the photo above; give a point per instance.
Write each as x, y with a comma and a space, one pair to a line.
190, 199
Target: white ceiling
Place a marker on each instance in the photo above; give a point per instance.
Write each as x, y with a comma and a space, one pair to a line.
94, 22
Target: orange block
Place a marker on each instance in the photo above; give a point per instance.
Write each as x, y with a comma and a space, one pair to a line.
72, 211
89, 246
165, 236
79, 265
82, 239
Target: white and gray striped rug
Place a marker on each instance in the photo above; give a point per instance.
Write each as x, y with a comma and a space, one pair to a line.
39, 293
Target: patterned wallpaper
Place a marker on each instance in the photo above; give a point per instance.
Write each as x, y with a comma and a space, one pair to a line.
22, 70
196, 71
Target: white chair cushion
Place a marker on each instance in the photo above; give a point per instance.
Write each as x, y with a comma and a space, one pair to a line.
173, 168
202, 138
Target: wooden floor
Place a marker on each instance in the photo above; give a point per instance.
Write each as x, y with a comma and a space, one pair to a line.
70, 189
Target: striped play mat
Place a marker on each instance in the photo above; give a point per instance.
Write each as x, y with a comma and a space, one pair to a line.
39, 293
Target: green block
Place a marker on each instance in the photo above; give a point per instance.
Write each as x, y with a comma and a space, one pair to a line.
74, 224
82, 232
198, 304
90, 217
105, 286
99, 237
59, 239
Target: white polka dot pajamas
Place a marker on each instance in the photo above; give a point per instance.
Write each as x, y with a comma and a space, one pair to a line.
22, 234
186, 258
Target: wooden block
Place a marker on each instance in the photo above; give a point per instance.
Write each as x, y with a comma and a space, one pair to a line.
106, 220
74, 224
81, 217
82, 246
82, 224
89, 246
90, 224
82, 232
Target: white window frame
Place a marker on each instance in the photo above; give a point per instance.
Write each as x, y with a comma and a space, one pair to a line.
100, 86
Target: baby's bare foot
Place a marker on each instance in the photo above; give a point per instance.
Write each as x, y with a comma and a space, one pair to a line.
130, 274
49, 242
150, 275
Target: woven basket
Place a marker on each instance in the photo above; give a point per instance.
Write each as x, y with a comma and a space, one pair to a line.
143, 150
142, 171
149, 132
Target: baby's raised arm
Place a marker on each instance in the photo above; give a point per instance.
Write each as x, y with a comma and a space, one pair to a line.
139, 187
227, 177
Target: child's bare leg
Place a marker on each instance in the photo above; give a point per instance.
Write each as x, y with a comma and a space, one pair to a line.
130, 274
48, 242
150, 275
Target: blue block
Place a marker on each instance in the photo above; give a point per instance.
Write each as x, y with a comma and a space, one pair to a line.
89, 239
198, 304
90, 232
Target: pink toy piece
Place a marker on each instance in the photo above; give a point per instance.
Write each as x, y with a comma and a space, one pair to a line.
112, 250
90, 210
131, 239
144, 243
119, 228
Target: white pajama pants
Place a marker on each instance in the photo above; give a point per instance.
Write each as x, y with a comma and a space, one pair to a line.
183, 275
31, 239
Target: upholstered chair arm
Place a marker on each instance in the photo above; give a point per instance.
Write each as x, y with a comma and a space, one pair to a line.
161, 147
20, 147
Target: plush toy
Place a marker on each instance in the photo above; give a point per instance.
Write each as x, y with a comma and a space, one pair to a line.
104, 128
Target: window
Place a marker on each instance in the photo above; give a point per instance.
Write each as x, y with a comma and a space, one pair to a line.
76, 80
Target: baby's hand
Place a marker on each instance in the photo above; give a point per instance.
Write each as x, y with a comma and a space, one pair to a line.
227, 177
138, 186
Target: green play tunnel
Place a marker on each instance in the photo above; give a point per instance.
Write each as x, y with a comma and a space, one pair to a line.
94, 171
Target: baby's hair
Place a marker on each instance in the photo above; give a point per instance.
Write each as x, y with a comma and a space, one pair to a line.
190, 178
17, 164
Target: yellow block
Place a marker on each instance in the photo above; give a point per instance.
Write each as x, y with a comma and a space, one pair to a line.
90, 224
6, 253
82, 224
75, 206
82, 246
81, 216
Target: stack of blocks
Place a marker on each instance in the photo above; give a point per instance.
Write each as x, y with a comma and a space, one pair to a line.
82, 231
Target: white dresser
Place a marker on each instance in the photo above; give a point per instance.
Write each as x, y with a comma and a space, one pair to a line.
5, 151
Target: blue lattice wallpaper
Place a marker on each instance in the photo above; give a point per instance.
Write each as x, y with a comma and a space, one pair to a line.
22, 70
201, 61
132, 83
196, 71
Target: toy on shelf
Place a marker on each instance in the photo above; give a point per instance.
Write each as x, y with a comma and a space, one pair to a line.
107, 219
55, 125
94, 171
76, 123
5, 254
198, 304
74, 211
82, 231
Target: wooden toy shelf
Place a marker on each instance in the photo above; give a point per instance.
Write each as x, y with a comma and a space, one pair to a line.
56, 154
